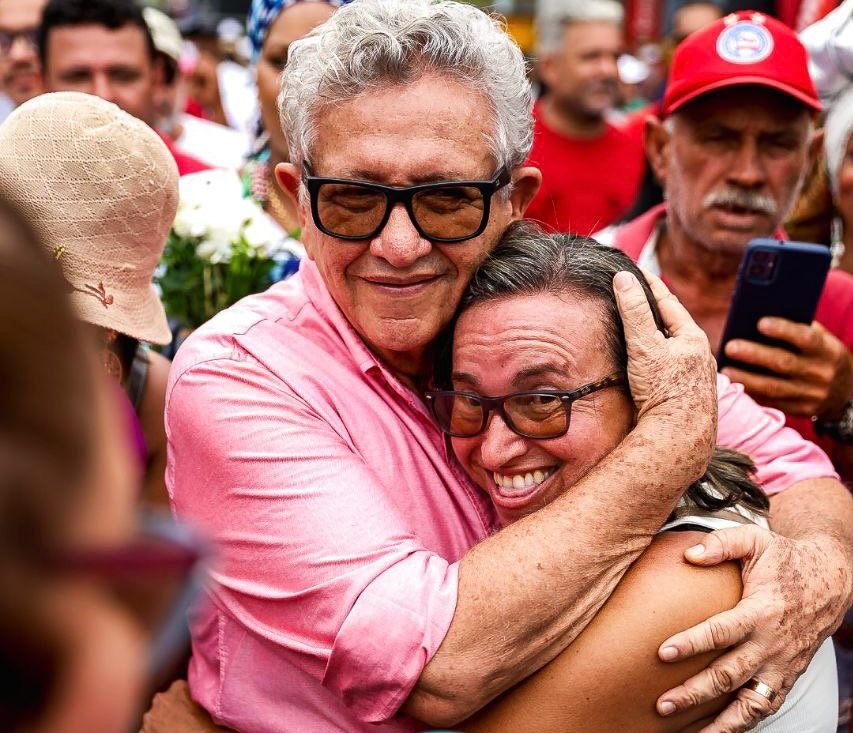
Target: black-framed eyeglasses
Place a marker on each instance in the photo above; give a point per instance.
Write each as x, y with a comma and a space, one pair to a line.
539, 414
443, 211
8, 38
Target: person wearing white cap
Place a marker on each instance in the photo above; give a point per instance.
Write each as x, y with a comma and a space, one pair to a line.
103, 188
214, 144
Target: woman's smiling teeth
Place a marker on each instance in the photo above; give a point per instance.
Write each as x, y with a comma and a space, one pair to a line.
520, 482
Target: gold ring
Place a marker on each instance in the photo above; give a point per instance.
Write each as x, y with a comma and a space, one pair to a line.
762, 688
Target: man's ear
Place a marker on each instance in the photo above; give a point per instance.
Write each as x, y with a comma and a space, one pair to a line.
290, 180
816, 145
546, 68
656, 140
525, 184
158, 72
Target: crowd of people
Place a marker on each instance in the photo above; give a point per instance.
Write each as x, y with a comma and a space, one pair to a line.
473, 466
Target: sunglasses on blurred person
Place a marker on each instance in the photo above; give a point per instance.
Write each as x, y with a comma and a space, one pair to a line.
157, 576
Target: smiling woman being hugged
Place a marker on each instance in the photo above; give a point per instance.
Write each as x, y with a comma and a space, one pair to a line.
534, 394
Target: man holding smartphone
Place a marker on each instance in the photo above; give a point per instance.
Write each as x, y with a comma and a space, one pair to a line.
731, 149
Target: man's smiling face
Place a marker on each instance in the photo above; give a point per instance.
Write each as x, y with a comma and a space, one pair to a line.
398, 289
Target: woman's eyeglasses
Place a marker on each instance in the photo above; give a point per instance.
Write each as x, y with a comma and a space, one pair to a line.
444, 212
538, 414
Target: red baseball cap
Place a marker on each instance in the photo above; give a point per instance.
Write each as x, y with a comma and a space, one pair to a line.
743, 48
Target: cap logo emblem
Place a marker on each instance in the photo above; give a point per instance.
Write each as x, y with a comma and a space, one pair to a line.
745, 43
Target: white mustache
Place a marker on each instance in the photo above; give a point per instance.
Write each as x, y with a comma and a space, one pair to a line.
750, 200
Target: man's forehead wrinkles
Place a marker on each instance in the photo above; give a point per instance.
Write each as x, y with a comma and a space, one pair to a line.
446, 174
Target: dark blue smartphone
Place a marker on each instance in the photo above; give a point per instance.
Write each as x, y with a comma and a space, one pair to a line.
781, 279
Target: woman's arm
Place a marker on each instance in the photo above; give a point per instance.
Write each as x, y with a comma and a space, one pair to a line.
610, 677
153, 428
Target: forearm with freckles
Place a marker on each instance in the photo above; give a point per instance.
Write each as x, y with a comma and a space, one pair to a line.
820, 510
527, 592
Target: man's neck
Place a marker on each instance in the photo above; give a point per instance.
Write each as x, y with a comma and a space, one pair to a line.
565, 120
413, 368
701, 279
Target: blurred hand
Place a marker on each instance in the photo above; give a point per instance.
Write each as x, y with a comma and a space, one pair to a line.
795, 594
672, 378
174, 711
817, 381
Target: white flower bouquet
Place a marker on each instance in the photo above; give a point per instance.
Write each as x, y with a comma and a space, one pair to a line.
222, 247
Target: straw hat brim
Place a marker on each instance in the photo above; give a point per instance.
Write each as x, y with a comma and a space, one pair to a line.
143, 319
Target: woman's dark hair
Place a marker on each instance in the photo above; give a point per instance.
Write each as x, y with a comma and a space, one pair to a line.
529, 261
47, 400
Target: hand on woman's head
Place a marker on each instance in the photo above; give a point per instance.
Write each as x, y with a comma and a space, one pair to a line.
673, 378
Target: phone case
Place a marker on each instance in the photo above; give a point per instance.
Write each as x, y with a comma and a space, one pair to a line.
782, 279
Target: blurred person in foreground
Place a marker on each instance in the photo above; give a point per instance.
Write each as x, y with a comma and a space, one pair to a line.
731, 148
105, 189
214, 144
591, 169
274, 25
83, 581
104, 47
20, 71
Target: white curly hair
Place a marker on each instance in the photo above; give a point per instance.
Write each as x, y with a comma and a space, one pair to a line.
370, 44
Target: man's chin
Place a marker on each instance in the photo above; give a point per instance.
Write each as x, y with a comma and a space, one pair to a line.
401, 335
726, 238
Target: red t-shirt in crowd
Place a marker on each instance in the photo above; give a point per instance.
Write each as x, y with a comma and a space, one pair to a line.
834, 310
186, 163
587, 184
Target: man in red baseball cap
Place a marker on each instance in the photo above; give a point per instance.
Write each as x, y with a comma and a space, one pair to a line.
731, 148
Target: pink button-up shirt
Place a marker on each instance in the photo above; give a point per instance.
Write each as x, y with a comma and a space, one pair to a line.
339, 516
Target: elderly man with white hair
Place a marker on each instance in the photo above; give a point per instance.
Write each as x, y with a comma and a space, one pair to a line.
591, 169
362, 584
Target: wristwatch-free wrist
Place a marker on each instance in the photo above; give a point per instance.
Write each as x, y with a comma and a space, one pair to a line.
841, 430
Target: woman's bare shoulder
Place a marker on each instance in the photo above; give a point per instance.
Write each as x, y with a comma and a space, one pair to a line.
610, 677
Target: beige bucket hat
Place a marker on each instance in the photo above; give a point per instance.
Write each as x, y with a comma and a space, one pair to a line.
102, 188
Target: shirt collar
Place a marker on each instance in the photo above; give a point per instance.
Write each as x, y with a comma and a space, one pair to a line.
367, 362
321, 298
648, 257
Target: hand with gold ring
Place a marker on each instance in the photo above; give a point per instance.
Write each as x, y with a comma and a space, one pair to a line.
762, 688
795, 593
